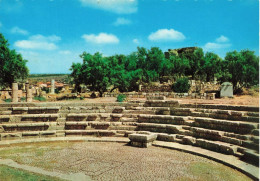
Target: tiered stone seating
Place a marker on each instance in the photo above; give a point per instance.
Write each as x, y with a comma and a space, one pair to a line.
20, 121
227, 129
111, 121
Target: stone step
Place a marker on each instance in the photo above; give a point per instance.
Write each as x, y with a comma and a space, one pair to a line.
139, 111
28, 117
5, 112
239, 127
251, 156
255, 132
26, 127
162, 119
90, 132
72, 125
216, 114
221, 107
128, 128
210, 123
253, 114
28, 134
34, 110
159, 128
5, 108
161, 103
125, 119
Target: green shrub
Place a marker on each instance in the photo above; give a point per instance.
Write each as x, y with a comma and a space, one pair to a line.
181, 85
121, 98
40, 98
8, 100
81, 98
57, 91
23, 99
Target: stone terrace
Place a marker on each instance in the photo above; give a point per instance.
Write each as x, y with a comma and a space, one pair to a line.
232, 130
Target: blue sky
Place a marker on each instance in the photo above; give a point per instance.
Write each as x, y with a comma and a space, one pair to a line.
51, 34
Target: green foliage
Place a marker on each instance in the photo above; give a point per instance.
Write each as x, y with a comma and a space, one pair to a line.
81, 98
8, 100
23, 99
212, 66
57, 91
181, 85
12, 65
148, 65
46, 89
9, 173
39, 98
121, 98
196, 60
243, 68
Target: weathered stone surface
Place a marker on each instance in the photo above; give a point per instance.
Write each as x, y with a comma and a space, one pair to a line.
188, 140
118, 109
142, 140
226, 89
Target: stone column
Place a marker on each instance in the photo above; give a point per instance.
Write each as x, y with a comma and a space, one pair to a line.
52, 86
14, 92
23, 87
29, 95
27, 86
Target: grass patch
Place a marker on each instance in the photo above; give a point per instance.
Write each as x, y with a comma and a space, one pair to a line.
39, 98
209, 171
8, 100
10, 174
23, 99
121, 98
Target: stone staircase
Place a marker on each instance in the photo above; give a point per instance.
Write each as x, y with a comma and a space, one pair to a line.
226, 129
232, 130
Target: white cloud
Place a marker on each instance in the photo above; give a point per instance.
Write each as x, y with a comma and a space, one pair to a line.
52, 38
213, 46
166, 35
122, 21
222, 39
17, 30
136, 41
220, 43
101, 38
39, 42
115, 6
65, 52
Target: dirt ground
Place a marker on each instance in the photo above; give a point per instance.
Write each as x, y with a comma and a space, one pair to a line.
243, 100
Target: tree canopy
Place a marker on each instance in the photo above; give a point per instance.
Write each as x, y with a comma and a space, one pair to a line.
126, 72
12, 65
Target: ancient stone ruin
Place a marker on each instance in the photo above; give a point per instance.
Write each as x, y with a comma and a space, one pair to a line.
226, 129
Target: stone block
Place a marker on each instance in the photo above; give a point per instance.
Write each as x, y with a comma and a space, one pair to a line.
142, 140
118, 109
189, 140
226, 89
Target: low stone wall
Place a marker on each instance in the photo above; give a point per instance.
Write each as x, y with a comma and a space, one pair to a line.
166, 94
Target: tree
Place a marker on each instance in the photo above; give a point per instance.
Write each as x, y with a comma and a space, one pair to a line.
178, 65
94, 72
12, 65
118, 76
243, 67
212, 66
77, 75
196, 60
